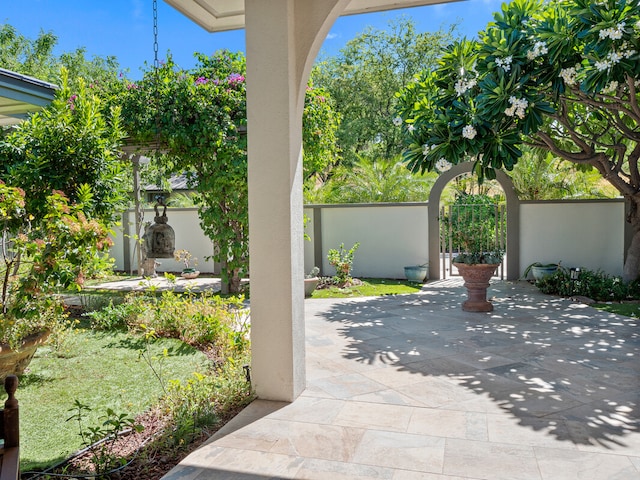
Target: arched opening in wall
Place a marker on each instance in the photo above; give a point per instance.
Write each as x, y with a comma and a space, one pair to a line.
472, 218
507, 222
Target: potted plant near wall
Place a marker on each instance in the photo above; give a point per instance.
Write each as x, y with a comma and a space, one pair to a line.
35, 261
416, 273
476, 264
311, 281
185, 257
541, 270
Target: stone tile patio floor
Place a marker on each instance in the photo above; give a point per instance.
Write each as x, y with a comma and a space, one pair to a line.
411, 387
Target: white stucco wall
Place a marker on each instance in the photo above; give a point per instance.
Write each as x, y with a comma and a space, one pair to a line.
579, 234
390, 237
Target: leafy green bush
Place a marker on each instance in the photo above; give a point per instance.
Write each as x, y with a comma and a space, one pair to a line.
470, 226
206, 399
342, 261
216, 323
113, 316
593, 284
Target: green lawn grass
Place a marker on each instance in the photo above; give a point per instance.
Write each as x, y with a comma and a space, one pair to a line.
371, 287
100, 369
631, 309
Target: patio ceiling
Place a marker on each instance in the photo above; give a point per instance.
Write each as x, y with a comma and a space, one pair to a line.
20, 95
220, 15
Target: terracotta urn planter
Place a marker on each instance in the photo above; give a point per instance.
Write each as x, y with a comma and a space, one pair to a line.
476, 280
14, 362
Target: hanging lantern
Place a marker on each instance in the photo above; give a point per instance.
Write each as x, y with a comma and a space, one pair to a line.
159, 238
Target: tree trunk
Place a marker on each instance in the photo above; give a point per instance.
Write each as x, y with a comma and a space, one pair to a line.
234, 284
631, 269
632, 262
225, 284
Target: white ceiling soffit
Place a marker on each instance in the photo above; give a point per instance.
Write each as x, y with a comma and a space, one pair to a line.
220, 15
20, 95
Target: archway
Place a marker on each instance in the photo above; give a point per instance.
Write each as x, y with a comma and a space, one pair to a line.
513, 219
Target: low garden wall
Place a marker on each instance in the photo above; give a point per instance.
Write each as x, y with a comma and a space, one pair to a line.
587, 233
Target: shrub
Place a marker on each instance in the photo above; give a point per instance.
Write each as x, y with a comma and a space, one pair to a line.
593, 284
342, 261
206, 399
218, 324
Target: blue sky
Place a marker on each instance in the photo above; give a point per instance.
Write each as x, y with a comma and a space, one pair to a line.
124, 28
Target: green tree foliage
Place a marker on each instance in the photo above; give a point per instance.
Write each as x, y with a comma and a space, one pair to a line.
371, 181
73, 145
320, 122
30, 57
561, 76
544, 177
363, 78
36, 58
198, 117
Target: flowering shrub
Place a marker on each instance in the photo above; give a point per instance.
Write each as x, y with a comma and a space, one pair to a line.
38, 259
199, 117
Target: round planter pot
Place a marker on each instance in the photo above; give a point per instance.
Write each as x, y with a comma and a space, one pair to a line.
415, 273
310, 285
476, 280
189, 274
543, 271
16, 361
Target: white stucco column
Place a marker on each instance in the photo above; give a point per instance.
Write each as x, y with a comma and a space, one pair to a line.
283, 37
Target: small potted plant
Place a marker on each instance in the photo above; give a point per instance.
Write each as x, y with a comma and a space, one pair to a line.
416, 273
541, 270
186, 258
311, 281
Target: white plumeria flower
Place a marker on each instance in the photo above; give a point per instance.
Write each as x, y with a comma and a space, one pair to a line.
442, 165
462, 85
614, 57
517, 108
469, 132
397, 121
539, 49
411, 128
602, 65
426, 149
626, 51
569, 75
504, 63
612, 33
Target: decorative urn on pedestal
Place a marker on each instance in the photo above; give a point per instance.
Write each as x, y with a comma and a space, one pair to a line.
477, 270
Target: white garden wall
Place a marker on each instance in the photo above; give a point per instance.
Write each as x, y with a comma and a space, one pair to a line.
587, 234
390, 236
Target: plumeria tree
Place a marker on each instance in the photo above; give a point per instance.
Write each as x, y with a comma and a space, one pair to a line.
560, 76
199, 119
